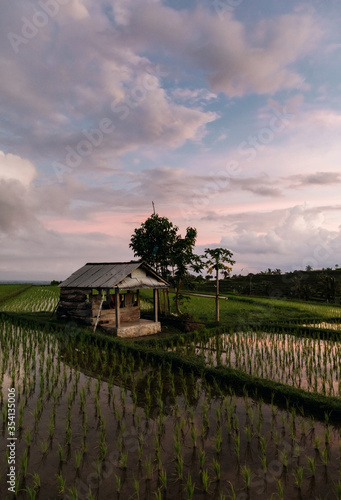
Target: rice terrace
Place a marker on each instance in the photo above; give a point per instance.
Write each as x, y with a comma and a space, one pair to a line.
246, 408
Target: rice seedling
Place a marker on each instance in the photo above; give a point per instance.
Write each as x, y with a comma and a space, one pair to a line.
194, 436
61, 484
90, 495
264, 463
205, 479
217, 469
232, 495
284, 459
179, 467
44, 447
237, 445
163, 479
61, 454
246, 475
103, 449
158, 494
327, 435
280, 489
28, 438
312, 468
36, 481
31, 493
190, 487
298, 476
218, 439
248, 434
338, 490
68, 436
78, 458
123, 462
24, 464
118, 483
202, 458
148, 468
73, 493
137, 488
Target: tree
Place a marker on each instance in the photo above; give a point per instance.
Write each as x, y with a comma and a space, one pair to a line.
218, 259
183, 258
158, 243
153, 242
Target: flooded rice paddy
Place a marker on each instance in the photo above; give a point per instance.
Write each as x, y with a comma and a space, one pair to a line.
94, 423
310, 364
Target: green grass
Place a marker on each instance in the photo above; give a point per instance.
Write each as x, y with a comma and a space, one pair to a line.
237, 310
242, 310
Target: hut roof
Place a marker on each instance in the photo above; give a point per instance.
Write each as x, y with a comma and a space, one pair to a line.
115, 274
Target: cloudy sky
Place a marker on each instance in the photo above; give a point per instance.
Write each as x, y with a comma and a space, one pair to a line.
225, 113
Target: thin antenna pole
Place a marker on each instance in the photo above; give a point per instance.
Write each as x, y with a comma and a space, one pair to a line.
153, 208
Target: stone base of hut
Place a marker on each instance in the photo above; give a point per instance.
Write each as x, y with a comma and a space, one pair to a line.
134, 328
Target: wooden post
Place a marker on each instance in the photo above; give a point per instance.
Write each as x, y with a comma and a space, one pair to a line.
117, 307
217, 296
155, 305
99, 312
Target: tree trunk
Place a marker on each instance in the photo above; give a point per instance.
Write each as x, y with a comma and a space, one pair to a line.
166, 301
177, 305
217, 297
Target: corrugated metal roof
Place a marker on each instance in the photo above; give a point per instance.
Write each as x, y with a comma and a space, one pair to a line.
113, 274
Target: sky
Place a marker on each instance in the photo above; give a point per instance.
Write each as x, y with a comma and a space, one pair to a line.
225, 113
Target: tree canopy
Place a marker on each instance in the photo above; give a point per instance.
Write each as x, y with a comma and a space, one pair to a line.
158, 243
154, 241
218, 259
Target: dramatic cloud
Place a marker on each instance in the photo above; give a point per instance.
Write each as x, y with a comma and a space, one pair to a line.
319, 178
235, 61
228, 121
283, 235
16, 204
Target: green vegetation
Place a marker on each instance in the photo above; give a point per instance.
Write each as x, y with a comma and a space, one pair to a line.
11, 290
214, 412
239, 311
33, 299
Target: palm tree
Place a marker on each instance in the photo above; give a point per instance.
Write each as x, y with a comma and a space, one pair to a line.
218, 259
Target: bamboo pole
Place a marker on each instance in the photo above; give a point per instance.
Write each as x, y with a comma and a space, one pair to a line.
99, 312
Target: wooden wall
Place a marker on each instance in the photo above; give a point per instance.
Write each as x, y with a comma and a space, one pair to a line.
127, 313
75, 306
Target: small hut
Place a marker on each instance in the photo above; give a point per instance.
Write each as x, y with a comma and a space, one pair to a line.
107, 294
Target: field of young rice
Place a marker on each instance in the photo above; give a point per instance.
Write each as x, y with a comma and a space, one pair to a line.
34, 299
99, 423
307, 363
10, 290
99, 419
